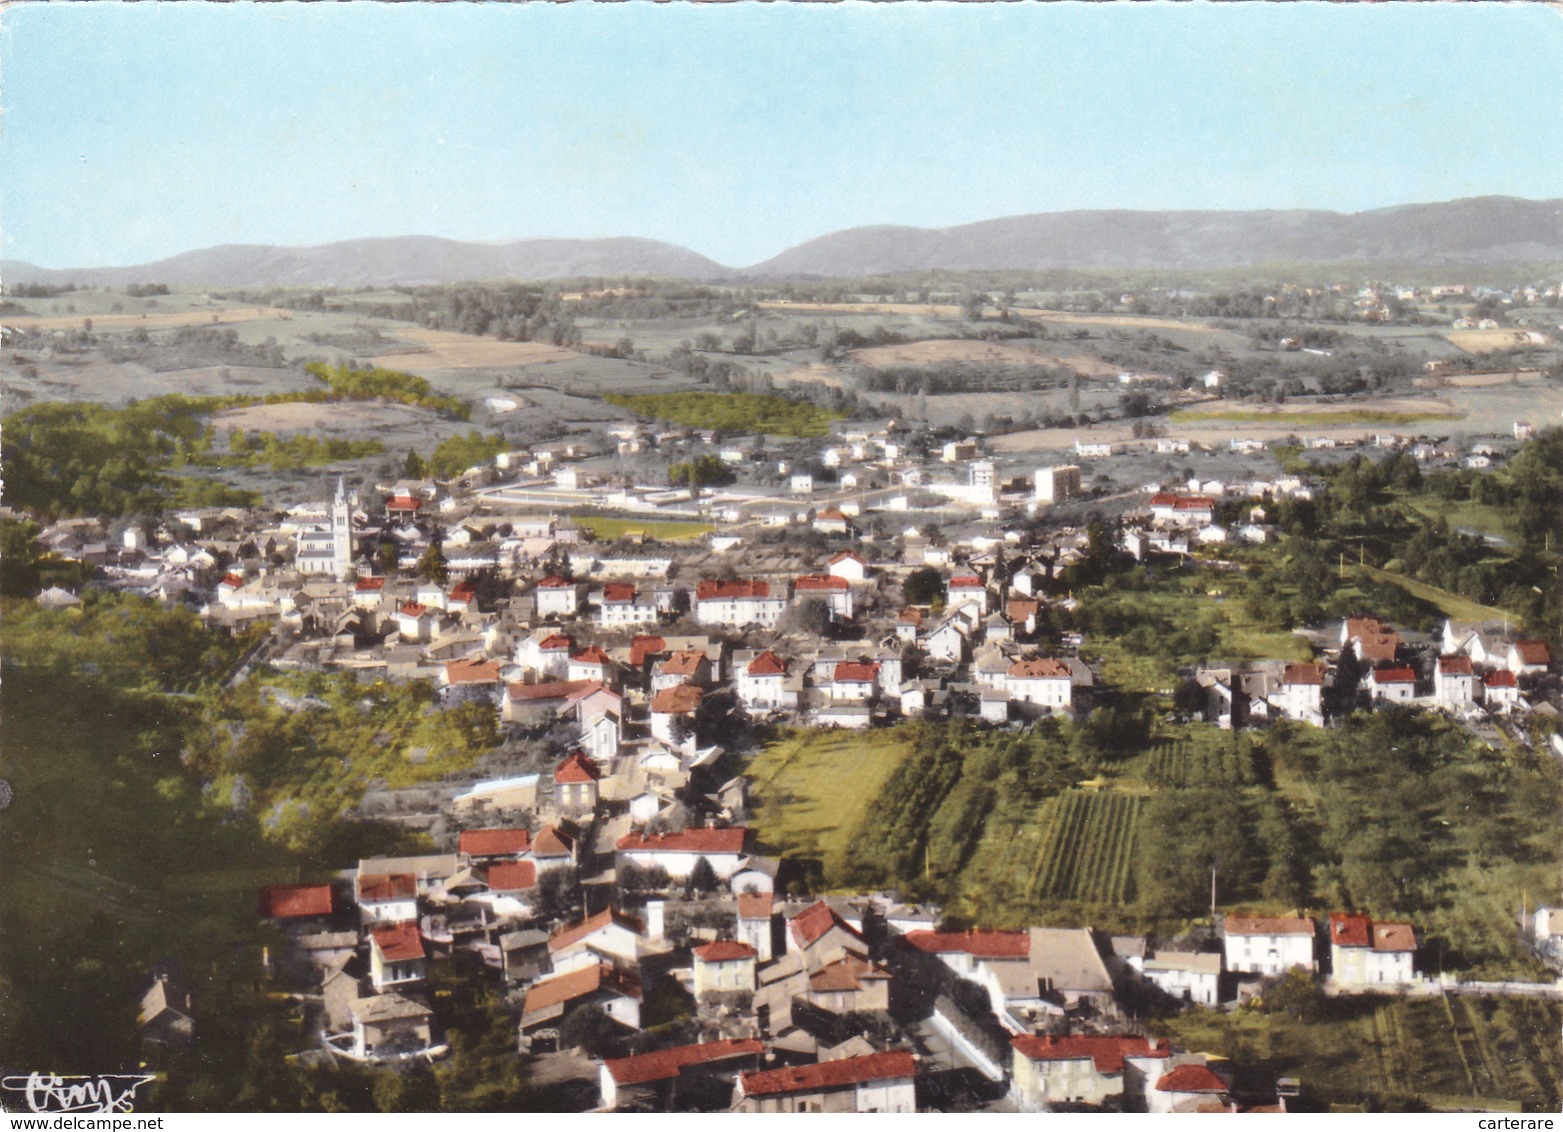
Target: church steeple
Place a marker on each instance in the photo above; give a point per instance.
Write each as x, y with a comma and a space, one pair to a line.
341, 532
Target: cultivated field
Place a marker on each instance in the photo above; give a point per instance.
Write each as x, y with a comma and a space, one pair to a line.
400, 427
942, 351
813, 788
1481, 341
160, 320
445, 349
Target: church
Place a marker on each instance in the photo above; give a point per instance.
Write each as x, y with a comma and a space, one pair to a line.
329, 550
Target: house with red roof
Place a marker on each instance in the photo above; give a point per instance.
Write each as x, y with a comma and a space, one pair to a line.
576, 784
645, 649
1366, 952
416, 621
552, 848
965, 589
470, 679
1190, 1087
515, 879
832, 522
1300, 695
854, 681
1049, 1070
368, 593
722, 849
295, 901
621, 604
533, 704
608, 935
673, 716
697, 1078
461, 598
545, 655
1527, 657
1043, 682
875, 1082
396, 955
740, 603
1268, 945
486, 844
386, 897
820, 927
592, 663
616, 992
1500, 690
686, 666
724, 966
763, 686
835, 593
557, 597
1454, 682
1392, 683
756, 917
849, 565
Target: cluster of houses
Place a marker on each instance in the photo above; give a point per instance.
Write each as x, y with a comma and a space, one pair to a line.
792, 1004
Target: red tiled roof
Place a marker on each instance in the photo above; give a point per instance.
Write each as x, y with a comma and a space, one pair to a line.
379, 888
413, 609
982, 944
686, 663
506, 842
618, 591
664, 1064
642, 648
463, 592
590, 655
832, 514
231, 580
966, 582
1379, 646
767, 664
1303, 674
369, 585
1106, 1051
755, 905
554, 690
830, 1074
727, 591
472, 672
1356, 626
853, 673
1267, 925
678, 700
573, 933
1455, 666
724, 951
511, 876
1019, 609
702, 840
1532, 652
1393, 937
1190, 1079
551, 841
1040, 669
815, 920
576, 768
845, 555
403, 503
578, 983
555, 641
1500, 679
846, 974
1163, 499
1347, 930
284, 901
398, 942
1194, 503
910, 616
1402, 674
554, 582
820, 582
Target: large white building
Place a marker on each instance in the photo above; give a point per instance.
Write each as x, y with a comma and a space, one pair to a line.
1053, 485
1268, 945
328, 550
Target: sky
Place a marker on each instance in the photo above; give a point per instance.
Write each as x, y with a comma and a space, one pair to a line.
131, 132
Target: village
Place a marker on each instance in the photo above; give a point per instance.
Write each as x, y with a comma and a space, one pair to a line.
622, 870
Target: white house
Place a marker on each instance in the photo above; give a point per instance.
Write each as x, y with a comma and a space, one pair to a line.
1044, 682
875, 1082
848, 565
557, 597
1528, 657
678, 852
1395, 684
739, 603
852, 682
1049, 1070
724, 966
834, 592
1366, 952
1301, 693
1187, 976
762, 684
1454, 681
1500, 690
609, 933
1268, 945
622, 604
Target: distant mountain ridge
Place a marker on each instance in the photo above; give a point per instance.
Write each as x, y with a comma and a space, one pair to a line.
1472, 231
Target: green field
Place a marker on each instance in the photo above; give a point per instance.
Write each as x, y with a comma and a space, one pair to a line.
748, 412
813, 788
1311, 420
658, 530
1471, 1053
1451, 605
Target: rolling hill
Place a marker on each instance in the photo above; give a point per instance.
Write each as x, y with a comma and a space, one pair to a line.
1471, 231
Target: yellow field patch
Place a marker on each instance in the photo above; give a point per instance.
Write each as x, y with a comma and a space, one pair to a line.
209, 317
445, 349
1480, 341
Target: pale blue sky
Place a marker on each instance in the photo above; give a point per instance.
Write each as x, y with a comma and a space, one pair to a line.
134, 132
